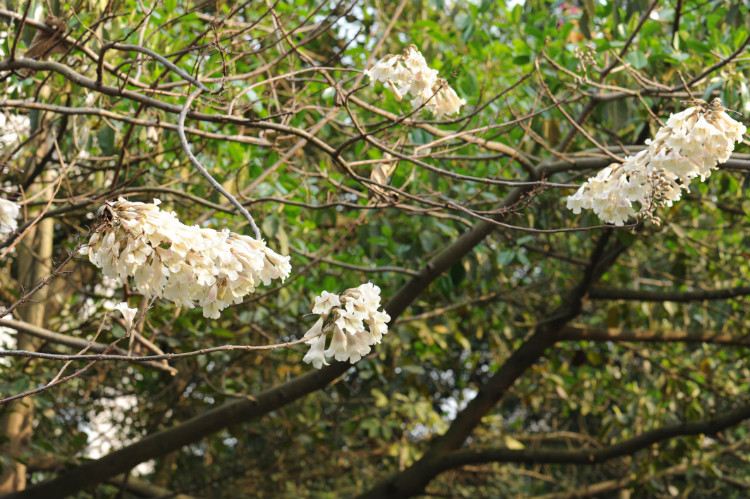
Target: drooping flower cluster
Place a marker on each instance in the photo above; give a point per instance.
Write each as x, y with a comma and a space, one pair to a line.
187, 265
344, 316
408, 73
692, 143
8, 214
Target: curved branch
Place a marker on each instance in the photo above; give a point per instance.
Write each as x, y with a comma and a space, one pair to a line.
675, 296
592, 456
413, 479
216, 185
487, 144
124, 357
85, 82
577, 333
95, 111
430, 468
163, 60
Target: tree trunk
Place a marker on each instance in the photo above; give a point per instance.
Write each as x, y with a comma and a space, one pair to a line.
34, 260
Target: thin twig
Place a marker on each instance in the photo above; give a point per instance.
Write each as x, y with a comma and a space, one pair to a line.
147, 358
83, 351
216, 185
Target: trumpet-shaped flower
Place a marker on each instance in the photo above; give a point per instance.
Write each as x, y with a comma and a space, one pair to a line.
353, 320
128, 314
692, 144
187, 265
408, 74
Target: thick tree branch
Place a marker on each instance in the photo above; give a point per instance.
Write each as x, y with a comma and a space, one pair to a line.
439, 464
592, 456
412, 480
675, 296
576, 333
142, 488
211, 421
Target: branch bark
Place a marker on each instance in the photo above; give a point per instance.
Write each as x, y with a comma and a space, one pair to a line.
593, 456
675, 296
73, 342
16, 425
577, 333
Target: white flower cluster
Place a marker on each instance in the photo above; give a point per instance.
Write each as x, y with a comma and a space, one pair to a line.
692, 143
345, 316
408, 73
7, 339
8, 214
186, 265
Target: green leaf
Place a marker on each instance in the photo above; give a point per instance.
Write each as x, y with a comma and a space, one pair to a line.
637, 59
107, 140
222, 333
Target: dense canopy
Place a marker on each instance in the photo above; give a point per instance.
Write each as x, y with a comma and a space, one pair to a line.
364, 274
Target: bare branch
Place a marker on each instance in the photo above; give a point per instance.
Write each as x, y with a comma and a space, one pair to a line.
73, 342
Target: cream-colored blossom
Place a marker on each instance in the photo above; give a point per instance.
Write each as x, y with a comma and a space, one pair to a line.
325, 302
8, 214
441, 99
128, 314
408, 74
187, 265
691, 145
316, 354
353, 320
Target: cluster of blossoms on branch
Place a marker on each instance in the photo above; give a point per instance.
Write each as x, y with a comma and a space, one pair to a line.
408, 73
344, 316
187, 265
692, 143
8, 214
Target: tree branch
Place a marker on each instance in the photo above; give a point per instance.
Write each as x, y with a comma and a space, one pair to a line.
85, 82
592, 456
413, 479
439, 464
74, 342
577, 333
675, 296
51, 462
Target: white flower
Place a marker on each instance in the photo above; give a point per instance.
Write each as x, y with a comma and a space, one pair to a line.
338, 350
316, 355
378, 323
314, 331
692, 144
408, 74
357, 346
441, 99
127, 313
8, 214
186, 265
325, 302
350, 320
345, 316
